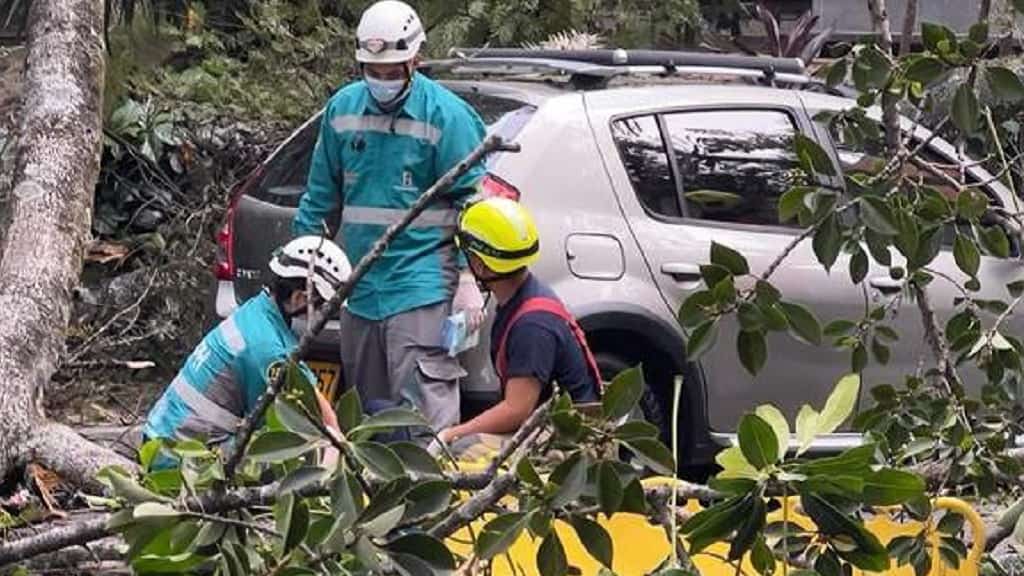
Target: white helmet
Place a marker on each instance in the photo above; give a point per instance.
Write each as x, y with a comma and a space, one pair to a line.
331, 268
389, 32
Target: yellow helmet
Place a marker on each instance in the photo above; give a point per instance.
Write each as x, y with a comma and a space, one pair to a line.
501, 232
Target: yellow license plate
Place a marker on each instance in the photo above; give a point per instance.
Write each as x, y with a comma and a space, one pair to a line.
327, 375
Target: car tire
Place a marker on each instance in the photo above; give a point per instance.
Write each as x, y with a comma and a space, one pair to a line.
610, 364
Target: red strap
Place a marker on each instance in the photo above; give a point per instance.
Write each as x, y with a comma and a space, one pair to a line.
551, 306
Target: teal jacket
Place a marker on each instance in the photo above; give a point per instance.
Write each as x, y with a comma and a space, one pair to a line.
373, 166
225, 375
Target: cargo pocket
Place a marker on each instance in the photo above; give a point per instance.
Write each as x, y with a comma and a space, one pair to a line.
439, 391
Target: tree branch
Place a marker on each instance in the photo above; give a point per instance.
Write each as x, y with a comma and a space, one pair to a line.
909, 22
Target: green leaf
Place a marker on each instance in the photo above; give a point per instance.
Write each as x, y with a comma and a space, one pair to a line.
753, 351
878, 247
951, 523
732, 486
888, 487
749, 530
350, 410
934, 34
837, 72
978, 32
1006, 86
702, 339
691, 312
633, 499
527, 473
871, 69
609, 488
291, 517
838, 328
154, 510
499, 533
302, 477
734, 464
293, 419
714, 524
858, 266
806, 427
750, 317
390, 495
277, 446
623, 393
652, 454
793, 202
378, 459
762, 558
636, 429
148, 451
965, 110
183, 563
880, 351
551, 556
573, 473
390, 419
966, 255
758, 442
416, 460
925, 69
867, 554
856, 461
878, 216
125, 487
346, 496
813, 158
839, 405
774, 417
426, 548
971, 204
827, 564
728, 258
428, 498
803, 322
827, 241
595, 538
995, 241
384, 522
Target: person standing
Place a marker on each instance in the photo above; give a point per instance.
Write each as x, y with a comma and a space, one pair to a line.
384, 140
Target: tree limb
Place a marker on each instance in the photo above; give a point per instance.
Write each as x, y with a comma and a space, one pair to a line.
909, 21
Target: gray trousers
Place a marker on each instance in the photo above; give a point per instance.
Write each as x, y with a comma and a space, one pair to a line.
400, 359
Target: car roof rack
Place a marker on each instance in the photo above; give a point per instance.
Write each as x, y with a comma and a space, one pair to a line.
590, 69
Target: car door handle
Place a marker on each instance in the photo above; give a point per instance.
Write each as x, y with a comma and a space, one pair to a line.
886, 285
682, 271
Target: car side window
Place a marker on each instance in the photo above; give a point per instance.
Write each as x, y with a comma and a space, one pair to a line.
734, 164
643, 154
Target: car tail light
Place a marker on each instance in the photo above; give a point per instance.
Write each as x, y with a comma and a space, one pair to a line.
224, 265
494, 186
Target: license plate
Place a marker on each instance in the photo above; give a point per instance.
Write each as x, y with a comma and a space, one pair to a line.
327, 375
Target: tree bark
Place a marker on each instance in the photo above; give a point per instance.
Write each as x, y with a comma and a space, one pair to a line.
909, 24
56, 167
890, 116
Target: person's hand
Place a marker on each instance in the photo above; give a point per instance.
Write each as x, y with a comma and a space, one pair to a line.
447, 435
469, 301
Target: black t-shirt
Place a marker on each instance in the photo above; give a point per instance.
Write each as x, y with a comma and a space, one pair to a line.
541, 345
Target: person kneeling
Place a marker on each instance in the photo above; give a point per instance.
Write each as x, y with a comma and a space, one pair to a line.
535, 342
229, 370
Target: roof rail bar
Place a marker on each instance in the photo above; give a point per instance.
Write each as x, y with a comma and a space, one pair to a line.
666, 58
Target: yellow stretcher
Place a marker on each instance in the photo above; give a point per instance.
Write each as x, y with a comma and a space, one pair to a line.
640, 547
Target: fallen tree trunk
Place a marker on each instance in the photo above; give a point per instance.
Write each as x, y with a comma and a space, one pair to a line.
56, 166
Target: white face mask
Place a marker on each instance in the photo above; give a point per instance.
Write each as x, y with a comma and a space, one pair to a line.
385, 91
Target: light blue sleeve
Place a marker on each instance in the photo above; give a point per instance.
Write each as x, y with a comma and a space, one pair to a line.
324, 183
463, 132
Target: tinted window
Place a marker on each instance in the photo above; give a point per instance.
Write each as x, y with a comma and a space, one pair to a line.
643, 154
734, 164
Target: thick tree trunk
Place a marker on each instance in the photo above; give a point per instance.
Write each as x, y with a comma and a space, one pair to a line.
56, 167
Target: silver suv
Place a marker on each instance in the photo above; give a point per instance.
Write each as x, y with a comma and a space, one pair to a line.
631, 170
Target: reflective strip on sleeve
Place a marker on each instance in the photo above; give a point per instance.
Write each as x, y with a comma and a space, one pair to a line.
204, 408
232, 335
387, 125
444, 218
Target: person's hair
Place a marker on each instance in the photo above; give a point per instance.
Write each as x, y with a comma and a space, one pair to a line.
282, 288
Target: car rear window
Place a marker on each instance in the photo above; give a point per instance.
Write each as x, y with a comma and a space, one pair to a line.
284, 177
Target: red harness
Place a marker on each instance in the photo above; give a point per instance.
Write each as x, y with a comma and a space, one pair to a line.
551, 306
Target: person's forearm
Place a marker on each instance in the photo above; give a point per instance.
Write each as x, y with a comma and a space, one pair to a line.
501, 418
